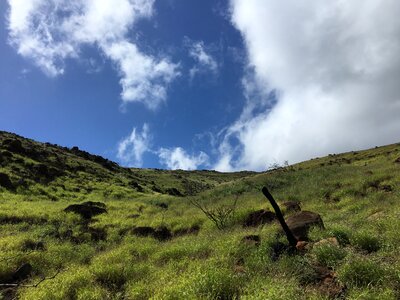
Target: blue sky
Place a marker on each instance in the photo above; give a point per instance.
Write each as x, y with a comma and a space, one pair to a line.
225, 85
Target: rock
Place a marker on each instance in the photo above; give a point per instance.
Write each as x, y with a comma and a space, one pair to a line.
376, 216
191, 230
328, 241
327, 284
174, 192
259, 217
302, 246
13, 146
251, 240
143, 231
95, 203
291, 206
42, 171
87, 209
6, 182
299, 223
162, 233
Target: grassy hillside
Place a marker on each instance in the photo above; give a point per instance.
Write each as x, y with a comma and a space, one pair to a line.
185, 255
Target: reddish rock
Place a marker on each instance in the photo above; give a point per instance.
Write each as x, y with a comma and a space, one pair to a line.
299, 223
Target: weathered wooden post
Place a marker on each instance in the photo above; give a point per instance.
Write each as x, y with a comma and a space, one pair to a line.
290, 237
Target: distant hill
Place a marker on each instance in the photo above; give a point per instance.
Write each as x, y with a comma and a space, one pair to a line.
29, 163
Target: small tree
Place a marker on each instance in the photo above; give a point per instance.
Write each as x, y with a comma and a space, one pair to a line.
220, 215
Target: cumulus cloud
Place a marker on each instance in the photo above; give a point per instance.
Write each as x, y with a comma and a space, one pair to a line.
327, 75
132, 147
177, 158
50, 32
205, 62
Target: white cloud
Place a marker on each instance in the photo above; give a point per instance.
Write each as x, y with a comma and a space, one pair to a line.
177, 158
143, 79
51, 31
204, 60
132, 147
335, 67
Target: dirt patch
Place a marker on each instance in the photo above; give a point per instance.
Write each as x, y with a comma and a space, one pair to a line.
161, 233
87, 210
259, 217
21, 273
184, 231
327, 284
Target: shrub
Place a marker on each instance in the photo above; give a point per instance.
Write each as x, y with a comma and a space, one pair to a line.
221, 215
361, 272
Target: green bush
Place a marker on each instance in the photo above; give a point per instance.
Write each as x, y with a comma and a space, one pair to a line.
361, 272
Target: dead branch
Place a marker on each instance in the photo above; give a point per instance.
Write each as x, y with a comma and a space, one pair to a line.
220, 215
289, 235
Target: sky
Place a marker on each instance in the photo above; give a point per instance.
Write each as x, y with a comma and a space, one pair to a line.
184, 84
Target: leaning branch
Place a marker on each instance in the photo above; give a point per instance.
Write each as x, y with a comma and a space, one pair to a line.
289, 235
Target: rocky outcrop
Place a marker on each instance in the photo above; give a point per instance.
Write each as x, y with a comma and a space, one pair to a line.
300, 223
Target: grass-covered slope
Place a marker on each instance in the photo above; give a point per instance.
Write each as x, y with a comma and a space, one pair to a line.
184, 255
43, 169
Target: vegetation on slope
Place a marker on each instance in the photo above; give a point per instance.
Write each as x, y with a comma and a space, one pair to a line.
109, 256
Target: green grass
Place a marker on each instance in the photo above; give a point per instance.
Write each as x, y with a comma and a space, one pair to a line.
350, 191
